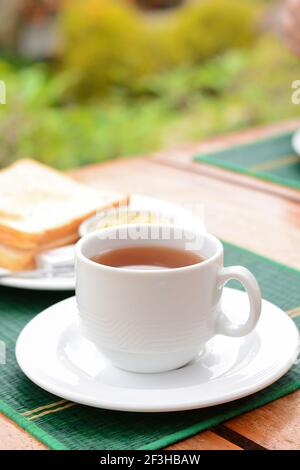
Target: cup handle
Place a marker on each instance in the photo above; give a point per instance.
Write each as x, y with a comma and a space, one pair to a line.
224, 325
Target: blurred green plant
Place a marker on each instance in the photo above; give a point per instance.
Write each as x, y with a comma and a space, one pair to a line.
231, 91
250, 89
35, 123
109, 43
103, 45
203, 29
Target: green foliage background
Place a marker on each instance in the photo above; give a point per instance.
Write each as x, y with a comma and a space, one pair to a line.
124, 83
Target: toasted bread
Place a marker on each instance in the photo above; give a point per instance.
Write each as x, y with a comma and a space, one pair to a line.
16, 259
39, 206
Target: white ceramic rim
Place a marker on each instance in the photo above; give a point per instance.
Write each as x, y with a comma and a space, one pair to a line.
279, 368
94, 235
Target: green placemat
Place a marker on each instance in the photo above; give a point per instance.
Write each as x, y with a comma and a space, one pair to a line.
271, 159
63, 425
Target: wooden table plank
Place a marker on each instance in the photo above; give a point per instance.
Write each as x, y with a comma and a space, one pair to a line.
207, 440
239, 215
183, 158
275, 426
12, 437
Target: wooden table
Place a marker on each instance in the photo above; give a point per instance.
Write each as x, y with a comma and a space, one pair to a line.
239, 209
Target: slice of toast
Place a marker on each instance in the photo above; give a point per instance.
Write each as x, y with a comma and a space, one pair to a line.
16, 259
39, 205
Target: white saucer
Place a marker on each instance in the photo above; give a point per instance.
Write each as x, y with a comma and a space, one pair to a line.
137, 202
51, 352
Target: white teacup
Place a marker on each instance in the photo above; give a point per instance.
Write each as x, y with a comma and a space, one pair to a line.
156, 320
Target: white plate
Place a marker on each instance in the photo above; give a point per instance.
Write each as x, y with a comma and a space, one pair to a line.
68, 283
40, 283
53, 354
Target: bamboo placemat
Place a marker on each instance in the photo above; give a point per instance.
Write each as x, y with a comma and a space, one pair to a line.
271, 159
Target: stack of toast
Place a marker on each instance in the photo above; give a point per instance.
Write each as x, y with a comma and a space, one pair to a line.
40, 209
